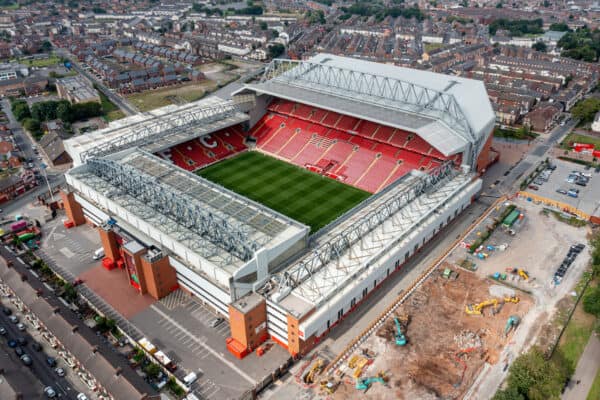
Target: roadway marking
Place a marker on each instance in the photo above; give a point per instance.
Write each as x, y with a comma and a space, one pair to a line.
214, 353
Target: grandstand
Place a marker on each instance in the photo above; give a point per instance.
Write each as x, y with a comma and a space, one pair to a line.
155, 186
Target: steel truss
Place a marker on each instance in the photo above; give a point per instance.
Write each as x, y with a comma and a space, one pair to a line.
146, 132
334, 248
380, 90
182, 209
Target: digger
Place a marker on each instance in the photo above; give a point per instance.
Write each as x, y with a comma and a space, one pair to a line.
401, 323
477, 308
365, 383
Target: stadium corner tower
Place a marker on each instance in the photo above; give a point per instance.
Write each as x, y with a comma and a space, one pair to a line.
414, 140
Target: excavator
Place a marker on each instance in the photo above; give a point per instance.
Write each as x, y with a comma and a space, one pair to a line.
400, 337
513, 299
477, 308
365, 383
511, 323
316, 368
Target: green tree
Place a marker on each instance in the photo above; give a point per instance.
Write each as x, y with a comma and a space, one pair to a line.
152, 370
64, 112
586, 109
540, 46
21, 110
591, 301
510, 393
560, 27
46, 46
276, 50
536, 378
33, 126
263, 26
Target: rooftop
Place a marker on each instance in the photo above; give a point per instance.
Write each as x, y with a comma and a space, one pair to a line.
447, 111
201, 222
79, 90
156, 130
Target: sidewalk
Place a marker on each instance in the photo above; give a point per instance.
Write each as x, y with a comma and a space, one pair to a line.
587, 368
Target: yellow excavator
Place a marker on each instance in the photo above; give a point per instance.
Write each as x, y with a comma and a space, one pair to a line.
513, 299
477, 308
523, 274
316, 368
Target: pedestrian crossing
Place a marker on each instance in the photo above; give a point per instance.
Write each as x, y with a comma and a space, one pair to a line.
175, 299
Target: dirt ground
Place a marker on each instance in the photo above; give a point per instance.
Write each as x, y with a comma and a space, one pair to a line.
442, 340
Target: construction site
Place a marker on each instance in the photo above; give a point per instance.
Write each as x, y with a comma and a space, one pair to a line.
468, 320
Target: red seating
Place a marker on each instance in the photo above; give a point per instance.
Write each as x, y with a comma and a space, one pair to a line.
362, 153
206, 150
346, 123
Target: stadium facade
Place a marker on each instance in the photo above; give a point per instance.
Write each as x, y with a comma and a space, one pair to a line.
414, 139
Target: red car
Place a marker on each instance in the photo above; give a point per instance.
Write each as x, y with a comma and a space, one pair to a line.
533, 187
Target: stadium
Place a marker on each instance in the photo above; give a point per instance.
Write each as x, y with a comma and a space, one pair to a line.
286, 206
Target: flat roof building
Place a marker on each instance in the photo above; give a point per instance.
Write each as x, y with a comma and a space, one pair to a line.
76, 89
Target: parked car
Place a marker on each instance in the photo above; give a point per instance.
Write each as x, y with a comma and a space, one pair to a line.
216, 322
19, 351
21, 326
49, 392
51, 361
36, 346
534, 187
2, 330
6, 311
22, 341
82, 396
12, 343
60, 372
14, 319
26, 359
561, 191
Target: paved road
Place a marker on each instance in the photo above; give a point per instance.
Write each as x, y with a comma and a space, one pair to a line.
123, 104
107, 350
586, 370
42, 371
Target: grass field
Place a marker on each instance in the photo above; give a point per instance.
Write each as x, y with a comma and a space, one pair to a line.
577, 138
577, 333
151, 99
302, 195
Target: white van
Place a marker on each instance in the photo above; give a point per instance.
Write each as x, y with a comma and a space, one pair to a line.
190, 378
98, 254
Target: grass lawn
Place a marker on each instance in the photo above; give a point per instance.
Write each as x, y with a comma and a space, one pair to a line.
302, 195
594, 393
111, 111
46, 62
432, 46
578, 138
577, 334
151, 99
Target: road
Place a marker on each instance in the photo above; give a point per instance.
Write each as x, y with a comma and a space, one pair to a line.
25, 145
123, 104
107, 350
586, 370
40, 368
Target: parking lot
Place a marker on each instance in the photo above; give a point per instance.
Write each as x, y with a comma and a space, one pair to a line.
588, 197
179, 325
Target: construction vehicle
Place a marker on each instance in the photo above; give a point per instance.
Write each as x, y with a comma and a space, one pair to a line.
518, 271
365, 383
478, 308
400, 338
329, 385
512, 322
513, 299
358, 363
448, 273
315, 370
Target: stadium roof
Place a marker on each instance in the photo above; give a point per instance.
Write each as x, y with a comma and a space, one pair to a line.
157, 130
182, 211
447, 111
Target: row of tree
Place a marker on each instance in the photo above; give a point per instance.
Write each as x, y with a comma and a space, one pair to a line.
32, 117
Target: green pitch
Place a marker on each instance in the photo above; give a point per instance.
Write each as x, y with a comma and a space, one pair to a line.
293, 191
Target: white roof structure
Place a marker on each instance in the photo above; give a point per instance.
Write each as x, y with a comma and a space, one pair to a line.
216, 232
156, 130
453, 114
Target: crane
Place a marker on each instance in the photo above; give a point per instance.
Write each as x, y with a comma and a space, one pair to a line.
400, 338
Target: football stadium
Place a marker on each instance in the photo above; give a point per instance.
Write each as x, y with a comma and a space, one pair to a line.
287, 205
